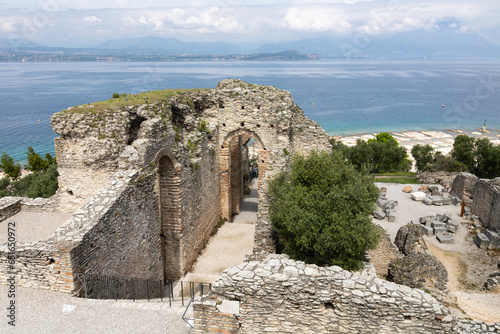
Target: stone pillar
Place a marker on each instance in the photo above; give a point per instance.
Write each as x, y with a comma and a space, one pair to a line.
224, 161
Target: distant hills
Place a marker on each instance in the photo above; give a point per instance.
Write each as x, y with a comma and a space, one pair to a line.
170, 46
444, 42
18, 43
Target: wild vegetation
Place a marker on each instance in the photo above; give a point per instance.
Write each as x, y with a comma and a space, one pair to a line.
321, 210
42, 182
475, 155
380, 155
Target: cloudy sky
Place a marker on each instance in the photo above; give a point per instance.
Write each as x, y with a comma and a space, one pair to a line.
90, 22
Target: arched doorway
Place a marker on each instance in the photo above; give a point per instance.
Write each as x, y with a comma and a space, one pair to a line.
234, 168
170, 204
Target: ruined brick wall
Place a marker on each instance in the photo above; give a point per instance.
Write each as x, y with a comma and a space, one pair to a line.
125, 242
42, 266
279, 295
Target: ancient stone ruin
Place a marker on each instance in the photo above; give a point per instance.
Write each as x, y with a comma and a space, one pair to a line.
147, 177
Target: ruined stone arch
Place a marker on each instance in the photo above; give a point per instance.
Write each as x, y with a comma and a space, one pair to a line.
170, 195
232, 164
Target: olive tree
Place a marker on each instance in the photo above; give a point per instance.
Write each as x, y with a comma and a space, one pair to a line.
321, 210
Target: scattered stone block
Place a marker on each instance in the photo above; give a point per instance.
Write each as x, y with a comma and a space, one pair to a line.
477, 223
423, 188
428, 231
418, 196
391, 216
414, 222
456, 201
482, 240
424, 220
494, 239
445, 239
407, 189
453, 223
434, 190
442, 218
451, 228
379, 214
428, 201
440, 230
437, 223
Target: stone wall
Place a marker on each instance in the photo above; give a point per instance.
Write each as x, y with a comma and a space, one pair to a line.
481, 195
279, 295
9, 206
463, 186
486, 202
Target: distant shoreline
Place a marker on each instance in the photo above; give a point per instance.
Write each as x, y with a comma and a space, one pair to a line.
440, 140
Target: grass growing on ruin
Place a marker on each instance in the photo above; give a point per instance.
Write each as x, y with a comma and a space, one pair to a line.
398, 180
126, 100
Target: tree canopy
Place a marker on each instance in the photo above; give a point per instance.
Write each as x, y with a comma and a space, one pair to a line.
379, 155
41, 183
321, 210
478, 155
9, 166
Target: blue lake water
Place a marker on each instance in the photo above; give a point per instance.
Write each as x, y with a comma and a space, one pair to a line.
344, 97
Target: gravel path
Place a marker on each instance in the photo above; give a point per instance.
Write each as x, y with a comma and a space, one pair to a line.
41, 311
229, 246
33, 226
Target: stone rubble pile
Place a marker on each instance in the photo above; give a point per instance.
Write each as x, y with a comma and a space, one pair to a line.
385, 207
434, 195
441, 226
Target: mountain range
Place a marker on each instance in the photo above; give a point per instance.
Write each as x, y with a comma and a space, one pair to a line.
439, 43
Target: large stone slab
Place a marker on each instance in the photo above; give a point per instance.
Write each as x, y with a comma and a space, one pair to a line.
437, 223
440, 230
417, 195
445, 239
379, 214
427, 201
428, 231
494, 239
482, 241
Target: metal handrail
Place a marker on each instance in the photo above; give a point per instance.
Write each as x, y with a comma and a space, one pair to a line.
190, 321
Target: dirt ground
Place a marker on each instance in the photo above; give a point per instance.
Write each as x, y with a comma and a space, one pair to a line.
468, 266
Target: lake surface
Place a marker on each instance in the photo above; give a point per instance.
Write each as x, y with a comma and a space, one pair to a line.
344, 97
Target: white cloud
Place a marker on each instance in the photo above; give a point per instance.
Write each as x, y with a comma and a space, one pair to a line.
305, 19
91, 19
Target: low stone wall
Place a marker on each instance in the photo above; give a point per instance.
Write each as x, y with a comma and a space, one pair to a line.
443, 178
279, 295
9, 206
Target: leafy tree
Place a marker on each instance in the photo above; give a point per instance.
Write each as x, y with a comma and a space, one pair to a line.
36, 163
321, 210
4, 183
338, 146
423, 155
478, 155
382, 154
9, 166
463, 151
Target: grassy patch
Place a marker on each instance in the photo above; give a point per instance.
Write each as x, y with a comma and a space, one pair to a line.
407, 174
125, 100
400, 180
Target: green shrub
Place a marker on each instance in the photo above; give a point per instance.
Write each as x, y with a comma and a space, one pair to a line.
321, 211
9, 166
116, 95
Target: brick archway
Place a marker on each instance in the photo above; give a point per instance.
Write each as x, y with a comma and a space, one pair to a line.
231, 169
170, 208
